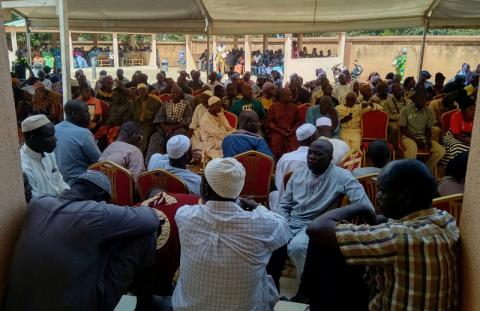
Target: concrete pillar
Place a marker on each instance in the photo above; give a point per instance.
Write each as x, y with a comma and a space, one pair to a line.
248, 54
70, 59
13, 37
287, 63
300, 41
12, 204
133, 42
214, 52
235, 41
341, 46
265, 43
95, 39
65, 47
56, 39
469, 228
116, 57
153, 54
191, 65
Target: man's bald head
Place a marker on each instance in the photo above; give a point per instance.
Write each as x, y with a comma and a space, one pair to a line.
324, 145
405, 186
319, 156
77, 112
249, 121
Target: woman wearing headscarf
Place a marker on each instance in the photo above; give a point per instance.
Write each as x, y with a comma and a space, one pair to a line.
282, 120
47, 102
269, 90
458, 137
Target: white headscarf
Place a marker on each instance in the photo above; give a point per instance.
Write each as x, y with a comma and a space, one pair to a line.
226, 176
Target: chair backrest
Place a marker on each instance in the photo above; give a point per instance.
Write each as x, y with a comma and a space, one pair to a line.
121, 179
369, 183
452, 204
259, 170
165, 97
374, 125
352, 161
286, 178
445, 118
231, 118
161, 179
197, 92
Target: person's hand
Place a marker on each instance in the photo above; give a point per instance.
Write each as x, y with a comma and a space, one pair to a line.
429, 144
248, 203
196, 155
347, 118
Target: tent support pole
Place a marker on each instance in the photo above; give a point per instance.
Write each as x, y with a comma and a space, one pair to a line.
208, 54
29, 44
422, 49
62, 10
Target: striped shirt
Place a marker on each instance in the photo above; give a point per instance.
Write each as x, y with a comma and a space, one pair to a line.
411, 262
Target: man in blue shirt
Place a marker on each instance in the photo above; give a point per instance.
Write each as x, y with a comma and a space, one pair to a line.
309, 193
179, 154
76, 148
246, 138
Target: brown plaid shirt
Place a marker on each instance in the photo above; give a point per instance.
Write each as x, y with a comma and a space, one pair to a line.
411, 262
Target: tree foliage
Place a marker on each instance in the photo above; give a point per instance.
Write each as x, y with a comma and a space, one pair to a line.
418, 31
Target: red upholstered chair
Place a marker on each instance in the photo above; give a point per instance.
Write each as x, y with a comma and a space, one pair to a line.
369, 183
445, 118
161, 179
452, 204
231, 118
121, 179
352, 161
197, 92
259, 170
374, 127
165, 97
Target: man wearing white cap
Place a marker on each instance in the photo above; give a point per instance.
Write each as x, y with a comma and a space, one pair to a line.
295, 160
179, 154
213, 129
198, 113
37, 158
225, 246
340, 148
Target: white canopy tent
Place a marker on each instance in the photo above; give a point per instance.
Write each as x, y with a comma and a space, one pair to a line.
238, 17
248, 16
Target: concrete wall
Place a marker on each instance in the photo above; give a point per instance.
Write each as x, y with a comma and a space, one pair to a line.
445, 54
12, 203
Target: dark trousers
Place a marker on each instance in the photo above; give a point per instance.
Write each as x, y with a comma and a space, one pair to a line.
129, 263
330, 284
276, 264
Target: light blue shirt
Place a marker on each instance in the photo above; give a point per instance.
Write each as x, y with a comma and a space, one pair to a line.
161, 161
307, 196
76, 150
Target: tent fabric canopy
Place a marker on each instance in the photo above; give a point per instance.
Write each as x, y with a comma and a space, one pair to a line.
254, 17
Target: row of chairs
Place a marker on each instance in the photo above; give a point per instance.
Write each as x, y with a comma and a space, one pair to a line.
259, 170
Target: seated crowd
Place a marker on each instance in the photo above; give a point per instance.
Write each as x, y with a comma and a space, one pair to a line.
78, 252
